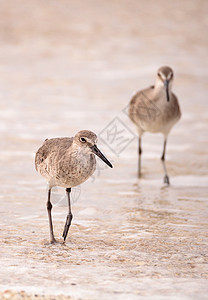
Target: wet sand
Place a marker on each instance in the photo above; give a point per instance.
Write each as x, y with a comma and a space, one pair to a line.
74, 65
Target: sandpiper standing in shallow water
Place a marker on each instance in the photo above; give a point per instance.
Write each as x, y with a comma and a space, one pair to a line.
67, 162
155, 109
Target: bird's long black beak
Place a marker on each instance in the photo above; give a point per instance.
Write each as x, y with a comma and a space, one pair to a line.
166, 83
97, 152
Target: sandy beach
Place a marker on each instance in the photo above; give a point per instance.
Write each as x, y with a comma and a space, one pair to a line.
72, 65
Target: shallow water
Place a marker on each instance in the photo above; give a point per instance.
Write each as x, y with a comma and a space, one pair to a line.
129, 239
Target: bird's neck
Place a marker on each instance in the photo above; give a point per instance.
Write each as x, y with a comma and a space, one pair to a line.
160, 90
81, 152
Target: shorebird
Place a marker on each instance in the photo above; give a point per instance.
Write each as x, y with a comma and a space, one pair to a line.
67, 162
155, 109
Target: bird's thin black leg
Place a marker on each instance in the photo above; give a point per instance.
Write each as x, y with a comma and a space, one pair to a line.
49, 208
166, 178
69, 216
140, 157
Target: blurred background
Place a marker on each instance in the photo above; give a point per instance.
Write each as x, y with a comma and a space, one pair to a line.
71, 65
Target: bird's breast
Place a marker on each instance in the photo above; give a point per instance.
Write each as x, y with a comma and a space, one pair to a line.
153, 113
75, 169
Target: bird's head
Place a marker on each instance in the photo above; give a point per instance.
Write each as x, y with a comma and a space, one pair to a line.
165, 79
87, 140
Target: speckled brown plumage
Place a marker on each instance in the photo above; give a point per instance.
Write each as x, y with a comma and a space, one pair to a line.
63, 163
155, 109
67, 162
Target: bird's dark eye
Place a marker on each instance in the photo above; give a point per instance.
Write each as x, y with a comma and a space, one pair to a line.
158, 74
82, 140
